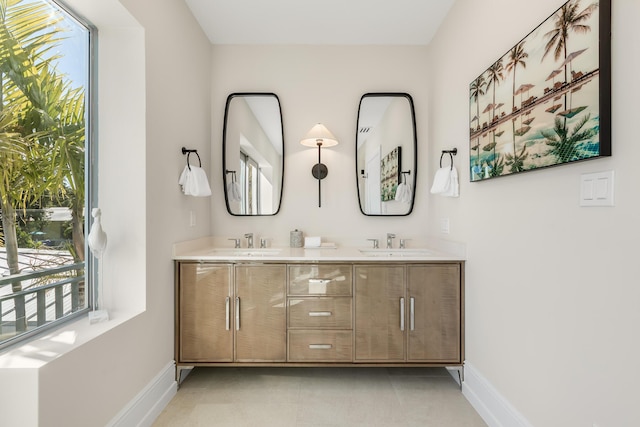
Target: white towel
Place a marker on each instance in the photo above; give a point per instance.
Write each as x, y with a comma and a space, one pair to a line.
403, 193
233, 192
194, 182
445, 182
454, 187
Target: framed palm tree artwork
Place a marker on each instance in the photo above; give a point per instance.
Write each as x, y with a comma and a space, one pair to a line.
547, 101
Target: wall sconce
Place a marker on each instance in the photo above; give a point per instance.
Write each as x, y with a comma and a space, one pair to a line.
319, 136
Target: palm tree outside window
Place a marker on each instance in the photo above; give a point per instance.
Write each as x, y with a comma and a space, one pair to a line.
45, 179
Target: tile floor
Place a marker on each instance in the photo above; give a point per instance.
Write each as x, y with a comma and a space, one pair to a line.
314, 397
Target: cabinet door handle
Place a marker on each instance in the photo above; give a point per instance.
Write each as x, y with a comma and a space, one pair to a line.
319, 281
237, 313
412, 313
319, 313
227, 304
402, 314
320, 346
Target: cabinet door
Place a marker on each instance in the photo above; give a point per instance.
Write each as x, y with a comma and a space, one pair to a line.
435, 319
204, 307
260, 321
380, 307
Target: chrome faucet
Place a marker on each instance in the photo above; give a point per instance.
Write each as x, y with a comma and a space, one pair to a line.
236, 243
375, 243
390, 237
263, 242
249, 237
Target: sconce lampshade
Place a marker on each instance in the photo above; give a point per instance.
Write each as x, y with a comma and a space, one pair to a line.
319, 134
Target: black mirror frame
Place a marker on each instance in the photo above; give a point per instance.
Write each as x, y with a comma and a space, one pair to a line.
414, 171
224, 150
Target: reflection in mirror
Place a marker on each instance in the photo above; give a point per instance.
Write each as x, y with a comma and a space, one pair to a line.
386, 154
253, 154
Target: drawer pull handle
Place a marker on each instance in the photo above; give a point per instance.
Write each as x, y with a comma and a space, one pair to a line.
402, 314
228, 313
412, 314
237, 313
319, 281
320, 346
319, 313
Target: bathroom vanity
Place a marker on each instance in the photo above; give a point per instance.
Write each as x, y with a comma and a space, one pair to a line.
318, 307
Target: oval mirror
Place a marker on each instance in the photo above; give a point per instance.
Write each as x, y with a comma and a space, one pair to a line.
253, 154
386, 154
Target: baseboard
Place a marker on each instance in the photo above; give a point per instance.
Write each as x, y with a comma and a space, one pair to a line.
149, 403
494, 409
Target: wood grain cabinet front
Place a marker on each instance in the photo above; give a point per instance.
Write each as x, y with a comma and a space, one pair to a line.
409, 313
320, 313
204, 312
231, 313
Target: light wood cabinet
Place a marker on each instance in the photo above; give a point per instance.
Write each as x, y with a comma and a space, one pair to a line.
332, 313
260, 321
230, 313
435, 313
320, 313
380, 313
203, 304
410, 313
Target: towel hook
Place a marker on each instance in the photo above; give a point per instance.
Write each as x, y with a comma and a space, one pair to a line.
451, 153
188, 153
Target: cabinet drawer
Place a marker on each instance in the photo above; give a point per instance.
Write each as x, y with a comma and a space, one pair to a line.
320, 346
320, 279
330, 313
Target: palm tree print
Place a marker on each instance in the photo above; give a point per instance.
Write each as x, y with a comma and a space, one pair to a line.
517, 57
567, 19
564, 143
476, 90
494, 75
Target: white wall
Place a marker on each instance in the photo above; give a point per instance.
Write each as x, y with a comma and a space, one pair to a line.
552, 288
154, 97
319, 84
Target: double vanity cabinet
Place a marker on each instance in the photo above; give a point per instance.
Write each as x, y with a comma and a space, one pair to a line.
247, 312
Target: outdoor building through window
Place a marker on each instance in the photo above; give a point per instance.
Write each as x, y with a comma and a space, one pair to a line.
45, 55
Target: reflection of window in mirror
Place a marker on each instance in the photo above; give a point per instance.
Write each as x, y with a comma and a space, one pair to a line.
253, 139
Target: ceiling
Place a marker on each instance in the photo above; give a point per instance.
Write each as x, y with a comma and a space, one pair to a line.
320, 22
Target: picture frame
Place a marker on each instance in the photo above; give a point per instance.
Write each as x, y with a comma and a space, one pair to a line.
547, 101
390, 167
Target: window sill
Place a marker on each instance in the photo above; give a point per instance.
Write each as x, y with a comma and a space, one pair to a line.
42, 349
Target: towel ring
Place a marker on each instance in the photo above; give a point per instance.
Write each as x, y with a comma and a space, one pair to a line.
451, 153
188, 153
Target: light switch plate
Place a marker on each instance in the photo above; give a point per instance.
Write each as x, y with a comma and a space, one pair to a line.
596, 189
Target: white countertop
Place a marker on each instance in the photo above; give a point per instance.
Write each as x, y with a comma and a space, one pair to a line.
209, 253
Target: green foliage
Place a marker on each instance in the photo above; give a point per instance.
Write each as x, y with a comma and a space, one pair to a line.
42, 125
564, 141
516, 161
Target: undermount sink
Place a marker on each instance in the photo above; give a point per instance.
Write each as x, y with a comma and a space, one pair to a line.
245, 252
395, 252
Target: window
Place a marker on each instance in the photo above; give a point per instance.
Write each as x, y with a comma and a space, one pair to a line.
45, 179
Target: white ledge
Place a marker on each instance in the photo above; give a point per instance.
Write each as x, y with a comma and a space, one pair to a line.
42, 349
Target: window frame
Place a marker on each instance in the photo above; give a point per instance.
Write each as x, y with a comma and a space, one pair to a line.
90, 263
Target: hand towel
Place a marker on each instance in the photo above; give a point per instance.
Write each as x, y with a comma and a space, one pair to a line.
233, 191
453, 190
194, 182
403, 193
400, 190
441, 181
